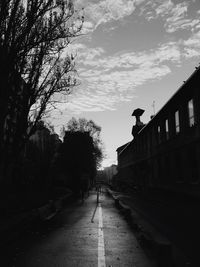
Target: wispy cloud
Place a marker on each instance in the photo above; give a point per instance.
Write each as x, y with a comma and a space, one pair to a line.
110, 80
192, 46
165, 52
107, 80
88, 54
193, 41
108, 10
190, 52
163, 8
88, 27
103, 11
177, 11
174, 15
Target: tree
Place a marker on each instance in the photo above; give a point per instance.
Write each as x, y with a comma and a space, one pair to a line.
89, 126
34, 66
32, 179
81, 152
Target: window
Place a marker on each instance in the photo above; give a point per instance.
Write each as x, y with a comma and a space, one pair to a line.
191, 112
167, 129
177, 122
159, 134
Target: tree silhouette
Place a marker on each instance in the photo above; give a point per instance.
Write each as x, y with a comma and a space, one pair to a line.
33, 178
34, 65
81, 152
90, 127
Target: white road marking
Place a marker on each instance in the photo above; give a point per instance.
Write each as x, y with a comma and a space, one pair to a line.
101, 248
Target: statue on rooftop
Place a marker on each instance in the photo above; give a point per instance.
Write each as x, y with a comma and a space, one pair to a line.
138, 124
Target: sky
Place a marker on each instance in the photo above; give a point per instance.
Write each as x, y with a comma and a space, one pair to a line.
132, 53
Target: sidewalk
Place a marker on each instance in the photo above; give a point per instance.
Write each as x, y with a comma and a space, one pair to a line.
13, 226
129, 206
148, 230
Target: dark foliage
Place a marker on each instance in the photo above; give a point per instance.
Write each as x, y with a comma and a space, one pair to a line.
81, 153
33, 67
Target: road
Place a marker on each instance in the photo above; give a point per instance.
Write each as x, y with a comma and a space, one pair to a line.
82, 234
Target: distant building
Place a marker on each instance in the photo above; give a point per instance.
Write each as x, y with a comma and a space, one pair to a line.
100, 177
110, 172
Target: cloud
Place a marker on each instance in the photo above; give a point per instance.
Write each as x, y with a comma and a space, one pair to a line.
88, 26
193, 41
107, 81
84, 52
111, 80
105, 88
105, 11
192, 46
75, 47
164, 8
190, 52
165, 52
178, 12
182, 24
90, 73
175, 16
90, 54
127, 80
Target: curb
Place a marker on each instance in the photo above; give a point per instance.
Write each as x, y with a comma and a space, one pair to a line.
147, 234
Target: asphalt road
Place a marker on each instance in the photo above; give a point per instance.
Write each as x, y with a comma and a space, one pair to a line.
82, 234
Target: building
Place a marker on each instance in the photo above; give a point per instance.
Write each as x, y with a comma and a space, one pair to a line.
110, 172
165, 153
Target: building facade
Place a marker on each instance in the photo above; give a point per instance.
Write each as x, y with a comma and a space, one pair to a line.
165, 153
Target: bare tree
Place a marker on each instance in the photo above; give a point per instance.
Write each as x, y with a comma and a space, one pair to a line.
34, 64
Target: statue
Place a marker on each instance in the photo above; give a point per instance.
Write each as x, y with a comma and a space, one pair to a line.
138, 124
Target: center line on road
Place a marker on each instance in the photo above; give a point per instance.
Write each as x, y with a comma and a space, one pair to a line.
101, 248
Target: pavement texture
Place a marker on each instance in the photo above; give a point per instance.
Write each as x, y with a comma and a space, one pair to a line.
82, 234
169, 224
